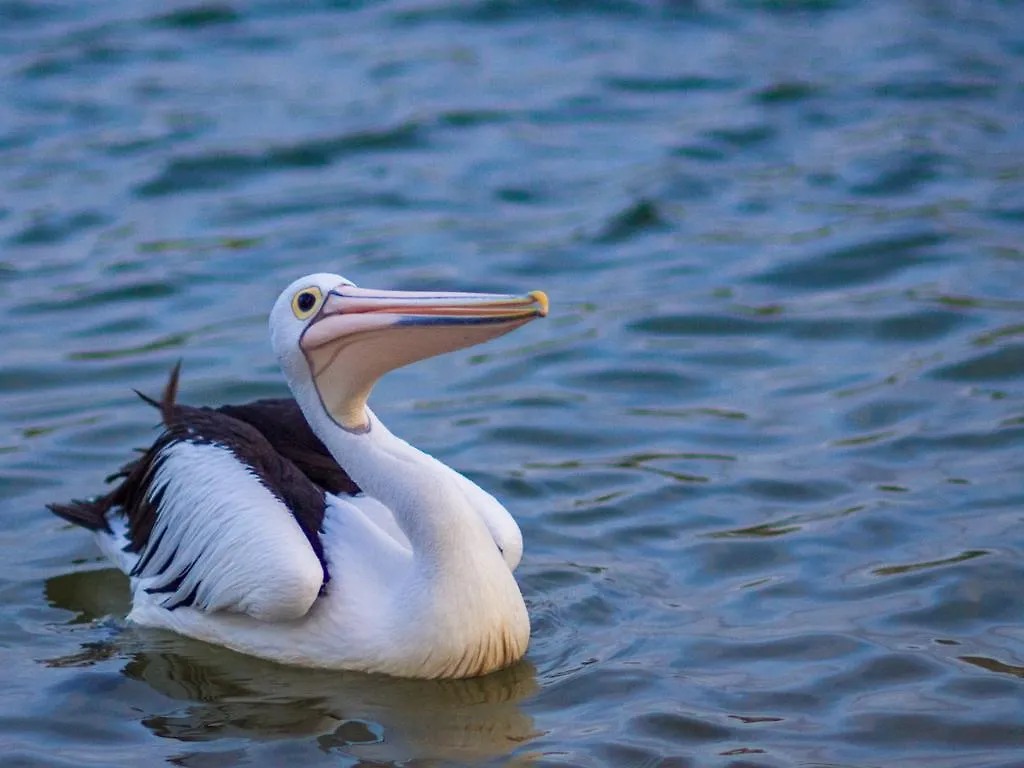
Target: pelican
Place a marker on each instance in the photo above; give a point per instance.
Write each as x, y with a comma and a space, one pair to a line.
304, 531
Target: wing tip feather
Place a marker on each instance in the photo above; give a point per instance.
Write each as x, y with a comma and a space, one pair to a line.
169, 397
91, 515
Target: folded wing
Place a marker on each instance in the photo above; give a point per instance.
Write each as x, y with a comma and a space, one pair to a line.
282, 423
219, 518
213, 535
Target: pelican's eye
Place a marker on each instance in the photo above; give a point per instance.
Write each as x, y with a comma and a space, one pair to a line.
306, 302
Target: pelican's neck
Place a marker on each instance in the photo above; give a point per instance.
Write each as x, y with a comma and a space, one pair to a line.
426, 497
460, 612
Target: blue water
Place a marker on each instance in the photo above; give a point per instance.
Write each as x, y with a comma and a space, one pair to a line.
767, 452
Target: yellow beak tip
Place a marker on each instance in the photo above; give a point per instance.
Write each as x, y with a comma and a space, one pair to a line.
542, 299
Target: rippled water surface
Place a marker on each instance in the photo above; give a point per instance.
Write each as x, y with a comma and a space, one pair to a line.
767, 452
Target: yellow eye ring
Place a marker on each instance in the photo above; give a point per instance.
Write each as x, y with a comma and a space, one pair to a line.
306, 302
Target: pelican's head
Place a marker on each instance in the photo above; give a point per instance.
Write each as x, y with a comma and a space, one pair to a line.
340, 339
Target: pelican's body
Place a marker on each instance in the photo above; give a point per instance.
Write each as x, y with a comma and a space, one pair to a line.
321, 539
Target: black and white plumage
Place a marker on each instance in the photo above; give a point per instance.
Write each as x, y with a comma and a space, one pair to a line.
219, 484
240, 526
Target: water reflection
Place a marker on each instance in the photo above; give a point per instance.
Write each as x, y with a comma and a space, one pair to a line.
228, 695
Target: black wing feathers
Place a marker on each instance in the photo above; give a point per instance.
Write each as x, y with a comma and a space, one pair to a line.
282, 423
88, 514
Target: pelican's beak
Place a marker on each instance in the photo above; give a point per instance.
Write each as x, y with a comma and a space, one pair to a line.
360, 334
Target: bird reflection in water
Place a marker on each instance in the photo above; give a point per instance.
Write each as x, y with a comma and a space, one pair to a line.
232, 696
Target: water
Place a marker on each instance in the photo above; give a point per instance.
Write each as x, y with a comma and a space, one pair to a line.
766, 452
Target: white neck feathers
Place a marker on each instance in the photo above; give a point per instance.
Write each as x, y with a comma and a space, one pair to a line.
467, 609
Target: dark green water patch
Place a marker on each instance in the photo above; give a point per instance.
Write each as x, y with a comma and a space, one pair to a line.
222, 169
48, 230
682, 83
198, 16
860, 263
1006, 364
639, 217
